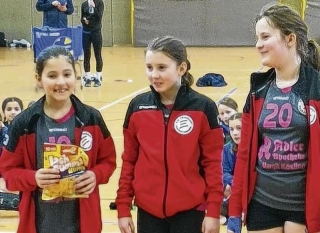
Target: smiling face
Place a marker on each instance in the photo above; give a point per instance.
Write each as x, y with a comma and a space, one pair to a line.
163, 73
12, 109
235, 130
273, 47
58, 79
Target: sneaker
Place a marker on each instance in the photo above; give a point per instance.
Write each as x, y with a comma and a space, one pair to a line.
96, 82
87, 82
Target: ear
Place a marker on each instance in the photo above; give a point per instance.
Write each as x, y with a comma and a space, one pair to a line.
291, 39
182, 69
38, 80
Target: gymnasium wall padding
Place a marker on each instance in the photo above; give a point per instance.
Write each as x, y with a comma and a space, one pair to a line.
197, 22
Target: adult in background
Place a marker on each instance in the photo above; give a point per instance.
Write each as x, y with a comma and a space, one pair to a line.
91, 17
55, 13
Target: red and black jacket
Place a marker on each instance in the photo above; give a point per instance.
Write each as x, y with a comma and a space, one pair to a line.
307, 88
18, 162
162, 158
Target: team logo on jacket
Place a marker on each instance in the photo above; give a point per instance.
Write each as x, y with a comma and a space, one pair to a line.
313, 115
301, 107
183, 124
86, 141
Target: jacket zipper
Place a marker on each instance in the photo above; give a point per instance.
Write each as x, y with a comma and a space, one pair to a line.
166, 120
250, 148
166, 169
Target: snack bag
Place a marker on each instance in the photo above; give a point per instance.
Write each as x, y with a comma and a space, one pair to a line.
71, 161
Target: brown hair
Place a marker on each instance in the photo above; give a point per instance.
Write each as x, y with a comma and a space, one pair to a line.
236, 116
231, 103
176, 50
289, 21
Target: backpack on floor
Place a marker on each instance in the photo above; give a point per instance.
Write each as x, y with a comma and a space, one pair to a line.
3, 41
9, 201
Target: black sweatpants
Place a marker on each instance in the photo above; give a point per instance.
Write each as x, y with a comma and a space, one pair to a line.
189, 221
94, 38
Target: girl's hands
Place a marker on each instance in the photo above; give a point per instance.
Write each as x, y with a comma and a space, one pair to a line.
85, 183
126, 225
46, 177
210, 225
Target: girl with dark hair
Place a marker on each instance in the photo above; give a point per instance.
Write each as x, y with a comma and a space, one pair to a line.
276, 179
11, 107
58, 117
170, 134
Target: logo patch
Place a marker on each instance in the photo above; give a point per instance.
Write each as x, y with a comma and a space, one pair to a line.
6, 139
313, 115
183, 124
301, 107
86, 141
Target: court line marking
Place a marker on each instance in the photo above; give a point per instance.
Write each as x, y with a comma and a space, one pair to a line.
145, 88
123, 98
226, 95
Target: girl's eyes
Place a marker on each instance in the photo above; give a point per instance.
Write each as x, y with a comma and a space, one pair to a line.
150, 68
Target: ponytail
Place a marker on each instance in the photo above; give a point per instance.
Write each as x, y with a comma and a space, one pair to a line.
187, 79
313, 57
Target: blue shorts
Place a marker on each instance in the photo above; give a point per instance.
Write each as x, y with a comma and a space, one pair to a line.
261, 217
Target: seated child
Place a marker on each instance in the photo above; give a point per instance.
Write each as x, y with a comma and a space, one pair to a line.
229, 159
226, 107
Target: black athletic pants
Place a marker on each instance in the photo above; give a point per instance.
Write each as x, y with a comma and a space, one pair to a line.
189, 221
94, 38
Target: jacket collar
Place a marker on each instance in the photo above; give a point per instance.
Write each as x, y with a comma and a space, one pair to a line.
183, 90
81, 112
261, 80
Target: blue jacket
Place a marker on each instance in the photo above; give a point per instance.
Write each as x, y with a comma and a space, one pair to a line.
228, 163
52, 17
3, 132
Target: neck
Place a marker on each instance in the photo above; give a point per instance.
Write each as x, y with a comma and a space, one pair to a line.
169, 96
288, 73
56, 110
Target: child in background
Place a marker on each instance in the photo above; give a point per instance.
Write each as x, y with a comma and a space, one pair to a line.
11, 107
3, 131
226, 107
58, 117
229, 159
31, 103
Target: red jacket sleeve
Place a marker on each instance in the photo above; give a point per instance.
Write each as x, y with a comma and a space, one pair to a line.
18, 175
125, 192
106, 161
211, 144
241, 169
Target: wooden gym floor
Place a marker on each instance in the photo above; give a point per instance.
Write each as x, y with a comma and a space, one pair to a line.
112, 98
